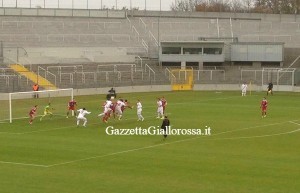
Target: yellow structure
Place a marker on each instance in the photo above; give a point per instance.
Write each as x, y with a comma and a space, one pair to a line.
182, 79
37, 79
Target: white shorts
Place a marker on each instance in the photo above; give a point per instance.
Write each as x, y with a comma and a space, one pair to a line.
160, 110
139, 111
118, 111
81, 118
106, 110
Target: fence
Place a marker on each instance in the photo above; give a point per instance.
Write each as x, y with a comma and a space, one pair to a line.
88, 4
278, 76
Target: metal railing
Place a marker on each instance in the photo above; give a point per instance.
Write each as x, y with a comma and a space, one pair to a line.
211, 77
143, 24
249, 70
57, 24
152, 38
151, 72
294, 62
169, 74
59, 70
128, 20
145, 45
140, 61
135, 33
46, 74
71, 76
6, 77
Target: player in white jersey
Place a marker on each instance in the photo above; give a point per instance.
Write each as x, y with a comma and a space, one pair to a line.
244, 89
118, 110
107, 107
160, 110
81, 116
139, 110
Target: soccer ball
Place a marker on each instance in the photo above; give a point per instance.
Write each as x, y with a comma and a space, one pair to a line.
112, 97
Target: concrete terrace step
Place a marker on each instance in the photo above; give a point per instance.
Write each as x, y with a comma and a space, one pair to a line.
33, 76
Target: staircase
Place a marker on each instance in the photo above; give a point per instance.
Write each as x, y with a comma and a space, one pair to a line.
41, 81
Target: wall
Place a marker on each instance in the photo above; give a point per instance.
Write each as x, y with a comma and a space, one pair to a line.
157, 88
62, 12
251, 16
53, 55
136, 13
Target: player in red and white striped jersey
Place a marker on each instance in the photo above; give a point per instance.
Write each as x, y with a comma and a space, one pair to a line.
32, 113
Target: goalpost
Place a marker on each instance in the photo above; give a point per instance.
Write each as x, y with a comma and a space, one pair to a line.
20, 103
282, 78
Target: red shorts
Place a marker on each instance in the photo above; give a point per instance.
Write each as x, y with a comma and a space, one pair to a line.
31, 115
264, 108
71, 108
113, 109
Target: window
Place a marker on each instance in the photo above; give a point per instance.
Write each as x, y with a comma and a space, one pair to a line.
213, 51
192, 50
171, 50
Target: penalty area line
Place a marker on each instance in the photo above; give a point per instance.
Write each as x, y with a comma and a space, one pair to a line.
258, 136
293, 122
143, 148
162, 144
24, 164
253, 127
122, 152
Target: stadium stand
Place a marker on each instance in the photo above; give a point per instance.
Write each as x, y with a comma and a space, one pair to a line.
139, 34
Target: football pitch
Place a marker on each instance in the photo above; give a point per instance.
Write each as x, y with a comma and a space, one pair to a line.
245, 153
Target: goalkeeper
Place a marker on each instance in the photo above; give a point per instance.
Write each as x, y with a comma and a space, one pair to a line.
47, 111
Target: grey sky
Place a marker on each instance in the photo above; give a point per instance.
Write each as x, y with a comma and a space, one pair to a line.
91, 4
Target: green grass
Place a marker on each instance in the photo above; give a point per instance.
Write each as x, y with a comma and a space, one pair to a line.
245, 153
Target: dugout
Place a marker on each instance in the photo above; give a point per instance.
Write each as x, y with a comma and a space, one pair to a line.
259, 54
191, 53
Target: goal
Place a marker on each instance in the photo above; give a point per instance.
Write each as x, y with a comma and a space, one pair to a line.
282, 78
20, 103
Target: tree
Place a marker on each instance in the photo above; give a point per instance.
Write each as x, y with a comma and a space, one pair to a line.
185, 5
277, 6
237, 6
257, 6
248, 5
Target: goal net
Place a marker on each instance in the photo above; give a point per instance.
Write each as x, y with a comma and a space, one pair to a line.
280, 77
20, 103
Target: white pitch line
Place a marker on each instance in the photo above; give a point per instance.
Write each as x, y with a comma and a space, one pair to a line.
258, 136
149, 147
122, 152
294, 122
153, 146
67, 127
257, 126
23, 164
171, 104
